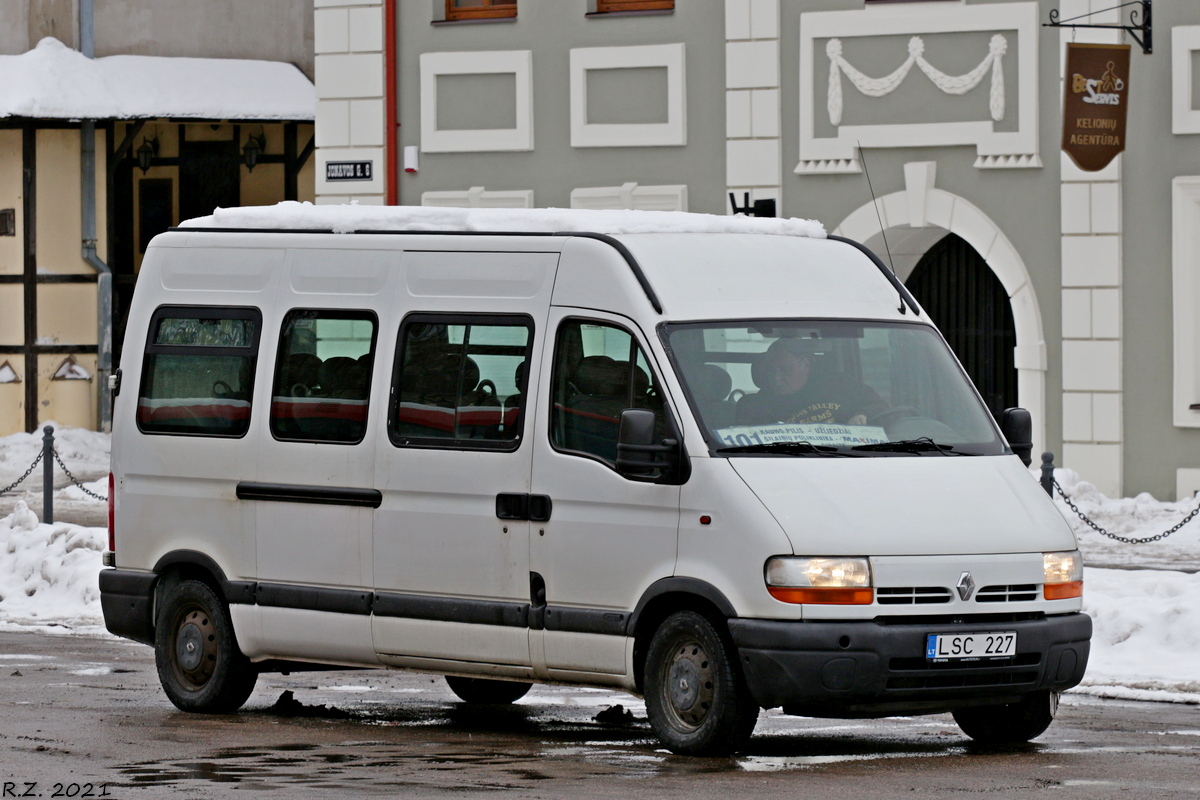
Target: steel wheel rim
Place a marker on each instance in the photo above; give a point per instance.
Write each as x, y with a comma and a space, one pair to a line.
194, 651
689, 683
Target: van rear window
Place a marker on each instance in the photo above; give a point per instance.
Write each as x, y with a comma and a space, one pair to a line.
198, 373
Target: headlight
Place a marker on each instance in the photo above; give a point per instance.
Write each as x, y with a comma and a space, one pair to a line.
1063, 575
824, 581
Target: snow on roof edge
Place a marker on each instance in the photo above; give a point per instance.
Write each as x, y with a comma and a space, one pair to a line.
292, 215
53, 81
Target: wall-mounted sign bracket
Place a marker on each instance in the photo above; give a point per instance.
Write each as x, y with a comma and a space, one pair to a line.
1138, 27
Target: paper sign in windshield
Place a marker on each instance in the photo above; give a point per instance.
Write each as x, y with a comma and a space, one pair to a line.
832, 435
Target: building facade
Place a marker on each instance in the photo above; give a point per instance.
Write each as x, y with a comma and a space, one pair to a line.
929, 130
117, 121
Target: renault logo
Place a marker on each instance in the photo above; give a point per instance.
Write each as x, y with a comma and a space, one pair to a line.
966, 586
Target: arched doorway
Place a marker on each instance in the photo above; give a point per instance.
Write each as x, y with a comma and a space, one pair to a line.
968, 302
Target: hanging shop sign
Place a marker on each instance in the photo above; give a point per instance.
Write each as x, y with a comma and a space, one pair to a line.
1095, 101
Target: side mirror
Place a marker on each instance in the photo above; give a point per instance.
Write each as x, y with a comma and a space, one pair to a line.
1017, 426
639, 456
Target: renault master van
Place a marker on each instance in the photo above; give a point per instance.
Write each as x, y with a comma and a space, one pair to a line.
726, 464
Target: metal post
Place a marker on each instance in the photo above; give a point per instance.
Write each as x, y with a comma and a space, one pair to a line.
1047, 480
48, 475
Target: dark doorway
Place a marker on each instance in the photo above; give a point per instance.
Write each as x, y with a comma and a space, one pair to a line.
209, 177
967, 301
156, 208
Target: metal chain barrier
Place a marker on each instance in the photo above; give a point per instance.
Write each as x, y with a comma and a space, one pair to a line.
1123, 539
28, 472
75, 480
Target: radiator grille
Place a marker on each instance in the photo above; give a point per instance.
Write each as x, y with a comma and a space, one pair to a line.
912, 595
1012, 593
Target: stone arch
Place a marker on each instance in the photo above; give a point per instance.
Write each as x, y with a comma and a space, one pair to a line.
915, 220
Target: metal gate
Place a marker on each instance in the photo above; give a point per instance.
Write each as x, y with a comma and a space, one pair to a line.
967, 301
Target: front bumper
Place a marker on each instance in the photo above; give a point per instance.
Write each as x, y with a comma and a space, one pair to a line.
876, 668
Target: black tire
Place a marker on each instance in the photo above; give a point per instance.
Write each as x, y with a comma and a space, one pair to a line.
199, 664
483, 691
696, 697
1015, 723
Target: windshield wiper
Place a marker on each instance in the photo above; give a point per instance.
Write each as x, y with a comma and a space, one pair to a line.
787, 449
921, 445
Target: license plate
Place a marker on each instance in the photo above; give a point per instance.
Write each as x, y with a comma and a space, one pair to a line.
970, 646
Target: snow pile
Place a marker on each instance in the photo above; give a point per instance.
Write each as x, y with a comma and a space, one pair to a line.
292, 215
48, 573
52, 81
81, 450
1132, 518
1146, 641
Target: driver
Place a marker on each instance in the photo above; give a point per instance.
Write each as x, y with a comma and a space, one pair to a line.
791, 393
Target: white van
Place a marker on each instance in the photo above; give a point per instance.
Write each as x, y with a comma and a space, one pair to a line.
726, 464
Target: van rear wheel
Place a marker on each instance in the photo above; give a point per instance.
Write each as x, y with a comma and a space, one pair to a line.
696, 697
1014, 723
199, 664
487, 692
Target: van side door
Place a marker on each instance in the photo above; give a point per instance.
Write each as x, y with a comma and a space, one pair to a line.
607, 537
451, 549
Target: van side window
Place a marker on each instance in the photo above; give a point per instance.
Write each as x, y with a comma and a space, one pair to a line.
198, 373
323, 376
599, 371
460, 381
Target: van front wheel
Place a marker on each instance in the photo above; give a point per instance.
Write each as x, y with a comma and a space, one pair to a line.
199, 664
696, 698
487, 692
1015, 723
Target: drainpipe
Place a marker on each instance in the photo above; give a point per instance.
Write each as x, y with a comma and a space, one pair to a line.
87, 186
389, 70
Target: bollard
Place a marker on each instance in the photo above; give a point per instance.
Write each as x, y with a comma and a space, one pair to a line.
1047, 480
48, 475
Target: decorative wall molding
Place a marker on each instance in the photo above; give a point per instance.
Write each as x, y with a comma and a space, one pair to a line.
996, 149
1185, 40
518, 63
950, 84
631, 195
671, 132
479, 197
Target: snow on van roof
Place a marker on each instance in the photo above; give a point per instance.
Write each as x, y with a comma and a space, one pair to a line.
291, 215
52, 81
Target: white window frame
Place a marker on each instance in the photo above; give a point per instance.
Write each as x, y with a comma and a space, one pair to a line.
1185, 270
1185, 40
631, 196
479, 197
518, 63
671, 132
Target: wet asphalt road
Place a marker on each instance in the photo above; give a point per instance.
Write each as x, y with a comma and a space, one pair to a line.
79, 712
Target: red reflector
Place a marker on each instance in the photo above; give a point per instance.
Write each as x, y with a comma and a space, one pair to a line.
112, 542
705, 520
1062, 591
825, 597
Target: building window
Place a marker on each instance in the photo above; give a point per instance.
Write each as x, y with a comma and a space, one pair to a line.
608, 6
323, 376
198, 373
480, 9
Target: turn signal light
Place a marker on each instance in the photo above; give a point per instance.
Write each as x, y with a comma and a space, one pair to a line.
823, 597
1062, 591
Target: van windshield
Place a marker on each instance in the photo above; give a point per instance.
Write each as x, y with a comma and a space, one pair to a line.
812, 388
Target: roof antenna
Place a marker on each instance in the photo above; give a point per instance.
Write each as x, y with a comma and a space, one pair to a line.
863, 157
